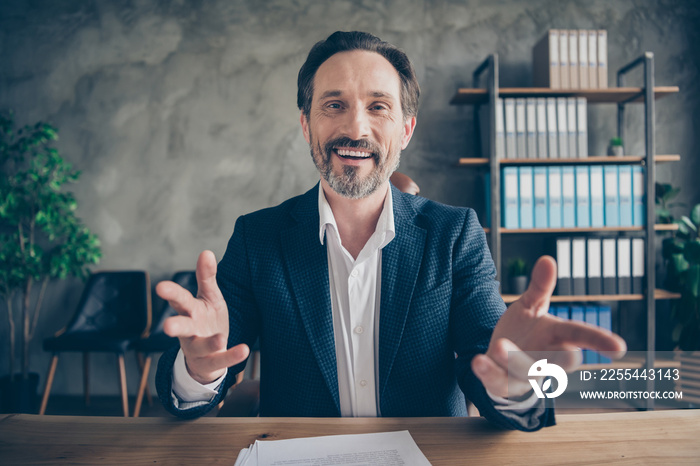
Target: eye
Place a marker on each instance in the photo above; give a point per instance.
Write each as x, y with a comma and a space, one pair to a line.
333, 106
378, 107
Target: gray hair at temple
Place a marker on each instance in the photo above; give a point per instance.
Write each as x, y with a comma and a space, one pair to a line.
347, 41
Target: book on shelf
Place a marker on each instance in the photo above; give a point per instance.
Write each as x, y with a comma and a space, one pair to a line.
624, 266
540, 197
509, 197
571, 59
552, 136
612, 202
638, 197
609, 262
568, 197
562, 129
563, 258
520, 129
596, 196
531, 128
572, 127
525, 197
592, 59
485, 128
509, 124
554, 208
582, 127
638, 259
541, 110
578, 266
602, 56
583, 58
545, 61
625, 196
594, 277
583, 206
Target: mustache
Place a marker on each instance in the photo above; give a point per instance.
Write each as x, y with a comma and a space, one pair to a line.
344, 141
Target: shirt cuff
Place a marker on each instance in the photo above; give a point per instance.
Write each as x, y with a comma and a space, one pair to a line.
187, 392
517, 407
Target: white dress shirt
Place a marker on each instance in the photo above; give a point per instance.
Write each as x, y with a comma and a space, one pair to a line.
355, 291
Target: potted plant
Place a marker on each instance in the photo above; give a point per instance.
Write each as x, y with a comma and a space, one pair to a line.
517, 276
41, 239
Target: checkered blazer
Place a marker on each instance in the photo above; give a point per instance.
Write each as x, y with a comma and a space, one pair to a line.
439, 297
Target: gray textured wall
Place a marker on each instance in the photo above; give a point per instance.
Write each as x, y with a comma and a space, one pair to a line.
181, 115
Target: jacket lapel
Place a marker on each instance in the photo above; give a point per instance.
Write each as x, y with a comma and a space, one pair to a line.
401, 261
307, 265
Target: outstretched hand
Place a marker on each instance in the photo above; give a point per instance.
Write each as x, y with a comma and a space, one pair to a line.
527, 327
202, 324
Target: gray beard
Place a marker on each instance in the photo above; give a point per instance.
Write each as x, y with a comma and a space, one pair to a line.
348, 183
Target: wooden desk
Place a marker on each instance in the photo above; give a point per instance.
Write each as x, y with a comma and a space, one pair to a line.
662, 437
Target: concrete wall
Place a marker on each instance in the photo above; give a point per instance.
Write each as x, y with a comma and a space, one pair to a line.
182, 116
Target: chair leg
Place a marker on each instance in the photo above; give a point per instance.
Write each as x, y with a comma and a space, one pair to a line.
143, 385
122, 378
49, 382
149, 398
86, 377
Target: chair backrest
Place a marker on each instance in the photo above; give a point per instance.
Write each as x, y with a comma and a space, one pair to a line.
114, 303
186, 279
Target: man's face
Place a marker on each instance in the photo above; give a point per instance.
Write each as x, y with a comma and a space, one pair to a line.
356, 129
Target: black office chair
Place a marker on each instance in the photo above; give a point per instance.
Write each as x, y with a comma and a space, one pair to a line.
157, 341
114, 310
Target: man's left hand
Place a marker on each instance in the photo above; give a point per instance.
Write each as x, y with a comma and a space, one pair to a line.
526, 326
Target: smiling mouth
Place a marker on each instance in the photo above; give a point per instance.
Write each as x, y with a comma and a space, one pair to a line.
353, 154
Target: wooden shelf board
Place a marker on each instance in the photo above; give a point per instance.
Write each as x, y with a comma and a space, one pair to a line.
473, 96
657, 227
658, 295
604, 159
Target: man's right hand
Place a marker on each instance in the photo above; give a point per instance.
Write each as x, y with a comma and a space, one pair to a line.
202, 324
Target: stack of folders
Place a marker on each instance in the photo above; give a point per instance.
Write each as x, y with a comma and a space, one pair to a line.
595, 315
600, 266
538, 128
571, 59
573, 196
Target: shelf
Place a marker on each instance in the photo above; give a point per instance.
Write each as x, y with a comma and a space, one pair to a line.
658, 227
598, 159
632, 362
658, 295
476, 96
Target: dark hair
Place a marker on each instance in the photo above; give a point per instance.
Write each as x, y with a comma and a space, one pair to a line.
346, 41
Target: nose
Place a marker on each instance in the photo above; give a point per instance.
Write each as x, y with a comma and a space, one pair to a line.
357, 125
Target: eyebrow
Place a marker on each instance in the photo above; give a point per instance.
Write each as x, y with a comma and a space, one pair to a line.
338, 93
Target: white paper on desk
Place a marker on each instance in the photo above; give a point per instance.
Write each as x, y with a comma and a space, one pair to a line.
385, 449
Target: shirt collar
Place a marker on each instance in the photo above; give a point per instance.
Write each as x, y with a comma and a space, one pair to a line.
385, 224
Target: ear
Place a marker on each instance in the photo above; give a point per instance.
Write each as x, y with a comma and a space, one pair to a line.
408, 128
305, 127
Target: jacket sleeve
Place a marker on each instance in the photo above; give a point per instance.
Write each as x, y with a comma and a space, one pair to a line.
233, 277
475, 309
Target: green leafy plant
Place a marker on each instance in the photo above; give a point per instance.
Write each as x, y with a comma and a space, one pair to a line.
41, 238
682, 258
663, 197
616, 141
517, 267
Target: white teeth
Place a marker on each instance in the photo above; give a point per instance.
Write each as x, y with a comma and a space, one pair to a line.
352, 153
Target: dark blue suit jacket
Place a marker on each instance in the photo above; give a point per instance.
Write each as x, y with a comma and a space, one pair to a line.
439, 297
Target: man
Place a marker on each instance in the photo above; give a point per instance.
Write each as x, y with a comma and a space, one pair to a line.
366, 301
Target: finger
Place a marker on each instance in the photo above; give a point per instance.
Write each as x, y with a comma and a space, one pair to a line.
207, 288
542, 283
495, 378
179, 326
511, 358
590, 337
179, 298
217, 361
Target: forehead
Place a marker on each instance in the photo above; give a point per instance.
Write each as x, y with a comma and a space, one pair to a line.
357, 71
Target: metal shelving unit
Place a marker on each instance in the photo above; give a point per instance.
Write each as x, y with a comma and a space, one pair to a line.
620, 95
